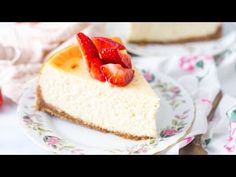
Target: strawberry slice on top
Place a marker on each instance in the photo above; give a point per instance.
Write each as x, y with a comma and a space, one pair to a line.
112, 51
107, 59
89, 50
125, 58
117, 75
95, 70
110, 55
91, 55
104, 43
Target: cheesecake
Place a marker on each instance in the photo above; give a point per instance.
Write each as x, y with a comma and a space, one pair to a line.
95, 84
173, 32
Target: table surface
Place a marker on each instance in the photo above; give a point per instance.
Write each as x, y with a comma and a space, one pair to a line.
12, 136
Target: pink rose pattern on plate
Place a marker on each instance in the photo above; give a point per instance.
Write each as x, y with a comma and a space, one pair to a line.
51, 140
55, 142
176, 126
35, 125
148, 76
171, 92
59, 144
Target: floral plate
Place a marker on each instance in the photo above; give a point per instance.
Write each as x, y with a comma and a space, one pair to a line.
175, 118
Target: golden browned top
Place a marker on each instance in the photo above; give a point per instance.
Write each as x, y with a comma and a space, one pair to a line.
68, 59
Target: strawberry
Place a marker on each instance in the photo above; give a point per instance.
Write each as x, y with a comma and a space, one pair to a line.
117, 75
95, 71
88, 48
1, 98
110, 55
104, 43
91, 55
126, 59
106, 59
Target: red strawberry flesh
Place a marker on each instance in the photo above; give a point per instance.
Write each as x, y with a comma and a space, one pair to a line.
106, 60
91, 55
110, 55
117, 75
106, 43
87, 46
126, 59
95, 70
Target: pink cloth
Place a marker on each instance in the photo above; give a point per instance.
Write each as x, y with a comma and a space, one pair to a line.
24, 46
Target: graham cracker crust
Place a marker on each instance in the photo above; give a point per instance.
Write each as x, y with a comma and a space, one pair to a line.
212, 36
41, 105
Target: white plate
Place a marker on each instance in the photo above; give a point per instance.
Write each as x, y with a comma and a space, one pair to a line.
175, 118
212, 47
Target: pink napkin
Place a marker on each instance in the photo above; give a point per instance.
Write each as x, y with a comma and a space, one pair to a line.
24, 47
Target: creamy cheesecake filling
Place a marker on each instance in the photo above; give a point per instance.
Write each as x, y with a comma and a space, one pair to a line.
131, 109
168, 32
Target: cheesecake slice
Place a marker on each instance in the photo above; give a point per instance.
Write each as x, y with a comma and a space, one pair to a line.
69, 88
173, 32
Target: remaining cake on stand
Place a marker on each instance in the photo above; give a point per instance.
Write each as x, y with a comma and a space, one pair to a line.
173, 32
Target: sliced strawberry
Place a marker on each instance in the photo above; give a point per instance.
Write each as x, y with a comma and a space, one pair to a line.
106, 59
126, 59
87, 46
104, 43
117, 75
1, 98
95, 69
91, 55
110, 55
